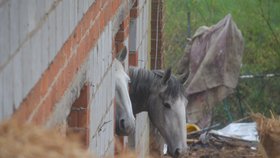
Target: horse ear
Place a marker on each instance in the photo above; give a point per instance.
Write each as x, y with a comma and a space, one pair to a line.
122, 55
166, 76
182, 78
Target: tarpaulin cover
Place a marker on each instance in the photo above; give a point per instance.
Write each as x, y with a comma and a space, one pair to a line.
211, 66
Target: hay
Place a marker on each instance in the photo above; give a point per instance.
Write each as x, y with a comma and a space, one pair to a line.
269, 133
28, 141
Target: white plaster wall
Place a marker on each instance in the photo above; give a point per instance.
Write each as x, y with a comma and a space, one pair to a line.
31, 34
102, 81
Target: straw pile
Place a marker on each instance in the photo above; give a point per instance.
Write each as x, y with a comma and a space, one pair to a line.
28, 141
269, 133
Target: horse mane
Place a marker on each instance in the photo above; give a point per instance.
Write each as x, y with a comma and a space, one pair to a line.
142, 80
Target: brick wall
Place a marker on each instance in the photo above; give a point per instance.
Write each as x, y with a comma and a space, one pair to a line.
78, 118
50, 50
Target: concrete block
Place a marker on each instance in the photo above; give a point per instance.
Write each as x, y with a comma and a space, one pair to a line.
101, 46
80, 7
48, 4
44, 48
4, 32
23, 20
90, 67
36, 56
138, 38
40, 10
26, 69
14, 26
99, 60
94, 69
72, 22
51, 36
59, 28
1, 95
91, 2
31, 15
17, 83
65, 20
132, 35
75, 10
8, 90
85, 5
94, 114
113, 83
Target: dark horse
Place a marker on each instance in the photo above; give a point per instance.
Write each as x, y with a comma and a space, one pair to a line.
161, 95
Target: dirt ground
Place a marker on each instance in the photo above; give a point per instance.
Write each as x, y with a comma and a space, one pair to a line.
224, 152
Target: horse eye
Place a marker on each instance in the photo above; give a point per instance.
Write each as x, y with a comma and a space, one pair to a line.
167, 105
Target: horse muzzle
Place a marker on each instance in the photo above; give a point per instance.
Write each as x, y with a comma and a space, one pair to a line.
177, 153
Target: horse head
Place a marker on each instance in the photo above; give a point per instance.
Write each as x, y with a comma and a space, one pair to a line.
125, 120
166, 110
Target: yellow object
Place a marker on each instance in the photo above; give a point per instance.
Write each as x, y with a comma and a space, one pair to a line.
190, 127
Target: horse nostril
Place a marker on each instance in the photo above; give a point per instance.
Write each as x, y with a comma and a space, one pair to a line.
177, 152
122, 124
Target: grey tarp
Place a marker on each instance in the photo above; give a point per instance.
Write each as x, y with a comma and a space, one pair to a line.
211, 66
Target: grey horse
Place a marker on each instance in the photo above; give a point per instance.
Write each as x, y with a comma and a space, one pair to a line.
161, 95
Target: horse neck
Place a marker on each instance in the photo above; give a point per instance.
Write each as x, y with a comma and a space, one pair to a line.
139, 90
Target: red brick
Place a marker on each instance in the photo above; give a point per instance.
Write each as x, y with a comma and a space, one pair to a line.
126, 32
107, 12
133, 58
126, 21
79, 116
119, 36
77, 34
134, 13
67, 48
103, 3
101, 20
93, 11
115, 6
83, 99
73, 118
93, 34
56, 65
119, 46
83, 119
135, 4
96, 6
22, 113
43, 111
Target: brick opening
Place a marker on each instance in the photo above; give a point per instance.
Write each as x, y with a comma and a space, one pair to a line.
78, 119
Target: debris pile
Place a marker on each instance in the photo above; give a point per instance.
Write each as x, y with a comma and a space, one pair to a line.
259, 139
